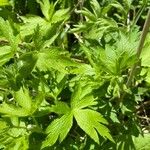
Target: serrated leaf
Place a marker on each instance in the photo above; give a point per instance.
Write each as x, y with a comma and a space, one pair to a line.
54, 59
89, 120
47, 8
30, 22
12, 110
28, 62
14, 139
84, 69
5, 54
6, 30
115, 59
23, 98
58, 129
142, 142
60, 108
60, 15
37, 102
3, 124
86, 101
82, 96
92, 122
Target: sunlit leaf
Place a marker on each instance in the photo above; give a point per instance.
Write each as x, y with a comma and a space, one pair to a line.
58, 129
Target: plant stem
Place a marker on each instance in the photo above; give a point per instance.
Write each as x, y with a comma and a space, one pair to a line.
140, 47
139, 50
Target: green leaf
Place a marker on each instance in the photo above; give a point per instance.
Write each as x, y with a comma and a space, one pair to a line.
23, 98
145, 55
82, 96
47, 8
60, 15
96, 8
5, 54
27, 105
6, 30
37, 101
58, 129
30, 22
89, 120
84, 69
14, 139
122, 55
60, 108
28, 62
89, 15
142, 142
92, 122
3, 124
4, 2
12, 110
54, 59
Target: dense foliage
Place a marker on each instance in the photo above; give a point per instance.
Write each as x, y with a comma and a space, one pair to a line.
64, 72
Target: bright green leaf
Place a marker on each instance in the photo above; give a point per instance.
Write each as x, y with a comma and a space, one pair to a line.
92, 123
58, 129
4, 2
23, 98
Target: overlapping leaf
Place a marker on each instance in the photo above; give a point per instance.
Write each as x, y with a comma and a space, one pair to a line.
25, 104
12, 138
7, 52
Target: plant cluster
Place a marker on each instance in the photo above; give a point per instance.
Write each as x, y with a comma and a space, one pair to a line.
64, 72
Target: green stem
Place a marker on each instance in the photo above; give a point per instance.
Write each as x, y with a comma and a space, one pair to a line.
139, 50
136, 18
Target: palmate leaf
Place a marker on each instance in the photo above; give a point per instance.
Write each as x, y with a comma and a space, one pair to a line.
82, 97
122, 55
89, 120
9, 31
48, 10
58, 129
92, 122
